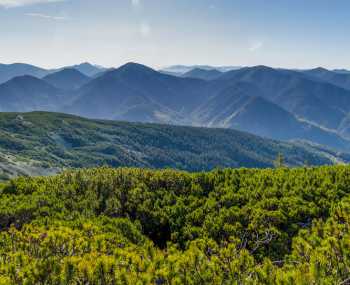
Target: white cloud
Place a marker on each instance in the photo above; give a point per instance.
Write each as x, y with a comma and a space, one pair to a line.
48, 17
145, 30
18, 3
256, 46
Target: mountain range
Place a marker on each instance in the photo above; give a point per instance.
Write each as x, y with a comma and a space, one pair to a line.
182, 69
9, 71
311, 105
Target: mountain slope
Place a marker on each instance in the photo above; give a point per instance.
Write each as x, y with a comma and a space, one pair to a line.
243, 107
9, 71
28, 93
85, 68
341, 78
115, 92
57, 140
67, 79
298, 94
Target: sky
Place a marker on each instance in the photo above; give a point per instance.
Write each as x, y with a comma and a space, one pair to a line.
159, 33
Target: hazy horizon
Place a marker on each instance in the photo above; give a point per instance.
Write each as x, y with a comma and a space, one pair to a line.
58, 67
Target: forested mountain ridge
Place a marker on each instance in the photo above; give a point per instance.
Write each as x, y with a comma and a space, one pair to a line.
125, 226
42, 143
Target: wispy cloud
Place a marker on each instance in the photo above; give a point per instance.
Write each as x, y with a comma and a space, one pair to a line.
256, 46
19, 3
48, 17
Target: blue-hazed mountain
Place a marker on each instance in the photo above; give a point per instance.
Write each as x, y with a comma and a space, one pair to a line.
276, 103
99, 74
9, 71
205, 74
342, 70
317, 101
28, 93
338, 78
261, 100
135, 88
86, 68
243, 107
67, 79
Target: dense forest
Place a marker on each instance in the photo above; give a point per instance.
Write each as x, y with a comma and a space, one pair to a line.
139, 226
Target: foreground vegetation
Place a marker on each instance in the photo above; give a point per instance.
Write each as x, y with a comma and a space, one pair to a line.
137, 226
42, 143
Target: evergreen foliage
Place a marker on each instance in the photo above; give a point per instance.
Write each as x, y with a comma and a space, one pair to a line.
139, 226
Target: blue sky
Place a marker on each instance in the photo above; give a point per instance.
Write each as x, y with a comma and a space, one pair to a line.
286, 33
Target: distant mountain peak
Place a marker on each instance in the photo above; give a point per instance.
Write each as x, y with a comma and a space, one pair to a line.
9, 71
262, 68
86, 64
258, 69
135, 66
68, 71
254, 71
29, 81
131, 68
67, 79
319, 69
87, 68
